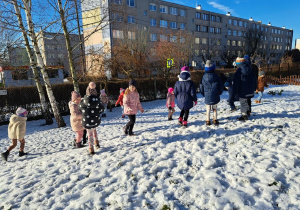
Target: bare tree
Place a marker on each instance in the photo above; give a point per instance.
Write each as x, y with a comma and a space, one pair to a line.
252, 38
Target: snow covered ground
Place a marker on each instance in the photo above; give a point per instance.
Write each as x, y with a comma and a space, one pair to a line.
237, 165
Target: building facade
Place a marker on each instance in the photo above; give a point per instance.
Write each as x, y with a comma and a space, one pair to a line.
213, 34
297, 44
54, 51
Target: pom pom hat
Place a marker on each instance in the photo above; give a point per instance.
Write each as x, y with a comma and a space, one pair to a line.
170, 89
21, 111
185, 68
209, 66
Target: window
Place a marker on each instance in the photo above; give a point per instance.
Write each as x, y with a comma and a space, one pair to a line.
218, 19
212, 41
163, 38
233, 43
245, 24
235, 22
182, 13
153, 37
229, 32
173, 25
196, 52
213, 18
130, 3
182, 40
204, 28
131, 19
275, 31
266, 29
240, 33
163, 9
234, 33
117, 17
197, 40
198, 15
254, 25
145, 12
228, 42
118, 1
271, 38
203, 41
173, 11
163, 23
173, 38
229, 21
212, 30
118, 34
62, 56
152, 22
205, 16
218, 30
198, 28
240, 23
203, 52
257, 27
152, 7
131, 35
218, 42
182, 26
262, 28
278, 31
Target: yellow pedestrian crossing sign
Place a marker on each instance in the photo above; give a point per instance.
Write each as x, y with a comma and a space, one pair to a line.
170, 62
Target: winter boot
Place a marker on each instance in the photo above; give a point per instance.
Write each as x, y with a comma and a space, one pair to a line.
123, 116
207, 122
103, 115
5, 155
125, 130
216, 122
91, 150
22, 153
79, 145
248, 113
131, 133
184, 123
170, 118
84, 139
243, 118
180, 120
97, 144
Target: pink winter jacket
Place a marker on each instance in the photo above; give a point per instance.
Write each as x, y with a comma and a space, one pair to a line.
132, 101
75, 117
170, 100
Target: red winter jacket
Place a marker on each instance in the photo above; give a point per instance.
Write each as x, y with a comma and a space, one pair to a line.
120, 99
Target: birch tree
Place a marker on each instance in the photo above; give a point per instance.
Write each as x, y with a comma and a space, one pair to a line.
33, 64
33, 37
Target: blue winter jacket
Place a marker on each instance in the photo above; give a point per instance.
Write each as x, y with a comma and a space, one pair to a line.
244, 82
229, 85
185, 91
211, 87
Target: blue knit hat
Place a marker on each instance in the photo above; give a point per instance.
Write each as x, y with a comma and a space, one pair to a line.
209, 66
132, 82
239, 61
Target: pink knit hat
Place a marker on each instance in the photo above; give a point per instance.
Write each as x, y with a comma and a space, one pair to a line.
92, 85
170, 89
185, 68
74, 95
21, 111
102, 92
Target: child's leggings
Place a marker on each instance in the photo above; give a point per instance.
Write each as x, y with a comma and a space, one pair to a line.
260, 95
130, 124
171, 112
92, 136
79, 135
208, 109
185, 113
14, 144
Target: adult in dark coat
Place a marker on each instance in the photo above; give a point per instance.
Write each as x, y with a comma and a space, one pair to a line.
211, 88
185, 94
244, 84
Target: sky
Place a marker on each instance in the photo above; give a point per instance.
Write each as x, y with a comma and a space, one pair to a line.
278, 12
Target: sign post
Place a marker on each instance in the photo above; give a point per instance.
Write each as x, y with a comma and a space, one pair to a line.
3, 92
170, 62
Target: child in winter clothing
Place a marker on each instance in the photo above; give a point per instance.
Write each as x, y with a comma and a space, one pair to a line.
120, 100
104, 100
261, 84
244, 84
211, 88
90, 107
185, 93
16, 131
170, 102
76, 117
229, 86
132, 104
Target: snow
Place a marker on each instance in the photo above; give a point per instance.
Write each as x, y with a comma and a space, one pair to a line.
236, 165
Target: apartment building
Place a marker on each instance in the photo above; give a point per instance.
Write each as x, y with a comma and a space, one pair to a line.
297, 44
213, 33
54, 51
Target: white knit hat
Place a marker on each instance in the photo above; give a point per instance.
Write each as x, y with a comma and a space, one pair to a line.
21, 111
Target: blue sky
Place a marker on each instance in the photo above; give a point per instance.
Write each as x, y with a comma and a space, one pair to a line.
278, 12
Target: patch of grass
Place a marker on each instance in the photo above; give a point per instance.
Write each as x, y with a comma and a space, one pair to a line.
165, 207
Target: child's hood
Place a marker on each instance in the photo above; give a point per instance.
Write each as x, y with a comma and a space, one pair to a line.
15, 118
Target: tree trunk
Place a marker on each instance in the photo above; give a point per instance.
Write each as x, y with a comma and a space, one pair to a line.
45, 110
68, 44
60, 121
